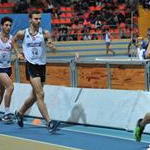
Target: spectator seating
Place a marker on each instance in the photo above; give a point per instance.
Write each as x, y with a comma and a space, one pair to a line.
7, 8
72, 20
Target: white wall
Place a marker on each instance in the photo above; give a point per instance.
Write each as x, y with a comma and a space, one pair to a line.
110, 108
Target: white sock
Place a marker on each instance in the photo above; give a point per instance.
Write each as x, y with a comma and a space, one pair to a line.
7, 110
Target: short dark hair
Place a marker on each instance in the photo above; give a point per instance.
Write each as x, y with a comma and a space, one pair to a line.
4, 19
34, 12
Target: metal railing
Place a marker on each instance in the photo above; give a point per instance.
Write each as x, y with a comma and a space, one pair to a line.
73, 67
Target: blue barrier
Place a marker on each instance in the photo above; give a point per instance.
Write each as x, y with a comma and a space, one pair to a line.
21, 21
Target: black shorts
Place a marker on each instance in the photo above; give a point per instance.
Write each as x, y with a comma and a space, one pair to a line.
6, 70
35, 71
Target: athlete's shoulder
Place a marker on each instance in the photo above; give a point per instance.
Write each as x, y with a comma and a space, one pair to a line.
20, 34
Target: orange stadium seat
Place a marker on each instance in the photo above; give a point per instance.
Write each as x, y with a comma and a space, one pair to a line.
115, 33
40, 9
63, 15
92, 26
98, 31
80, 36
31, 9
99, 37
68, 8
97, 8
9, 4
55, 21
92, 8
63, 9
62, 21
122, 7
5, 11
69, 15
67, 21
122, 25
92, 31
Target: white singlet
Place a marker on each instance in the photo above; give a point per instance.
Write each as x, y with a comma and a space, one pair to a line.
34, 47
107, 37
5, 53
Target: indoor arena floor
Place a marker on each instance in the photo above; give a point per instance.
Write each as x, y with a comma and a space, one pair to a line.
67, 137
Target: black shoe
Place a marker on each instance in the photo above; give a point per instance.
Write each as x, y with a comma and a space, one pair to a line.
52, 126
19, 119
8, 118
129, 55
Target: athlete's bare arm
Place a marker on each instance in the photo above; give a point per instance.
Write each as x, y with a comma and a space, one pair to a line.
18, 36
48, 40
148, 51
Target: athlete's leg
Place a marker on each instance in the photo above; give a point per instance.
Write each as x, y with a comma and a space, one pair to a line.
2, 91
145, 120
8, 84
141, 123
28, 103
129, 47
109, 49
39, 92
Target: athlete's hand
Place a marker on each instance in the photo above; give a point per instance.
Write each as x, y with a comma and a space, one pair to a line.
77, 57
20, 56
49, 43
51, 46
54, 48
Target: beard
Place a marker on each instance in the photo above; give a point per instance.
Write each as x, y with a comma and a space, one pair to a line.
36, 25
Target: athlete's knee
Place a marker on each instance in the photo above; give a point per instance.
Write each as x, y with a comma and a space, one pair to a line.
40, 94
10, 88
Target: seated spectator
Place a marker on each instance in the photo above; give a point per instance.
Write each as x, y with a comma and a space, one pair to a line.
148, 32
123, 34
146, 4
21, 6
4, 1
87, 37
98, 23
98, 2
57, 12
141, 47
63, 35
133, 42
108, 16
46, 5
